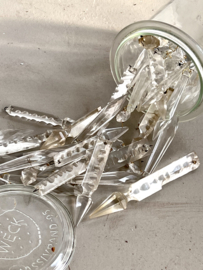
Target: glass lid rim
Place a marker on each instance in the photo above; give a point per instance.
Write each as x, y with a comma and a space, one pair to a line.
64, 219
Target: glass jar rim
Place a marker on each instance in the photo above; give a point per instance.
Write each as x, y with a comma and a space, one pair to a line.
169, 32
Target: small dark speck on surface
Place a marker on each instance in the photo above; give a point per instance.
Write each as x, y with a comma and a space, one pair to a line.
189, 248
134, 4
142, 160
69, 268
126, 241
135, 226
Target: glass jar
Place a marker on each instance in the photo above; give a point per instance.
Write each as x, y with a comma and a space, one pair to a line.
35, 232
121, 54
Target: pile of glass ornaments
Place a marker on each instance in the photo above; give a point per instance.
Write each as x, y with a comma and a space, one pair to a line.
162, 79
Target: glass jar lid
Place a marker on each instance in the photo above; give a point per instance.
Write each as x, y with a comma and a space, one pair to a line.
35, 232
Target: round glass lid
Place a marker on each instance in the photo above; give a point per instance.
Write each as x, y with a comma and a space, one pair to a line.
35, 232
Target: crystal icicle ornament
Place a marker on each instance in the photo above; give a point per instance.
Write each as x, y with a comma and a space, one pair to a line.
149, 42
37, 116
164, 140
23, 143
78, 151
147, 186
104, 117
32, 159
155, 111
117, 178
172, 104
137, 92
95, 169
60, 177
177, 94
92, 177
126, 154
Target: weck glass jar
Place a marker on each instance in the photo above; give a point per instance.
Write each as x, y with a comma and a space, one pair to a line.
35, 232
122, 54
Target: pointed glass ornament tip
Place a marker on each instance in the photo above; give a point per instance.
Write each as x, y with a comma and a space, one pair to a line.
83, 204
112, 134
117, 201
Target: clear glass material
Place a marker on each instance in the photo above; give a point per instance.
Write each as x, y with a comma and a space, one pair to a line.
104, 117
17, 144
80, 150
164, 140
36, 232
147, 186
31, 159
130, 153
122, 53
92, 178
60, 177
34, 116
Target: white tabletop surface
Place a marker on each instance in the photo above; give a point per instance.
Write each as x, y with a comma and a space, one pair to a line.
55, 58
